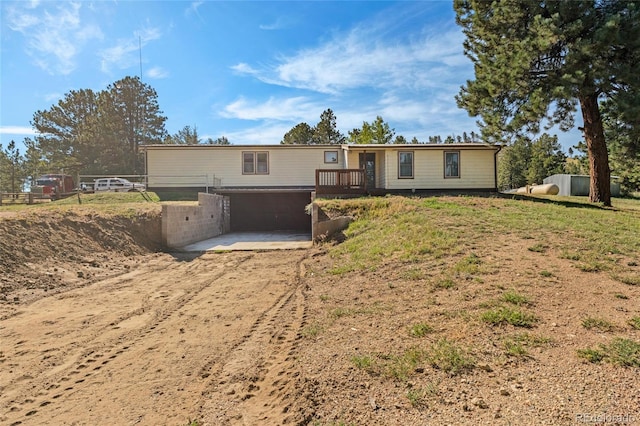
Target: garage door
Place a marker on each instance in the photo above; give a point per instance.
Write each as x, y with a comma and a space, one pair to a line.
270, 211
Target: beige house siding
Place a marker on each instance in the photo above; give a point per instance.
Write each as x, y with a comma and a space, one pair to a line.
222, 166
352, 160
295, 166
476, 170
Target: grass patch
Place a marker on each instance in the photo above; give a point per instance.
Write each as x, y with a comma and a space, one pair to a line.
621, 296
332, 423
592, 323
363, 362
450, 358
413, 230
420, 330
506, 315
622, 352
515, 298
342, 312
418, 397
594, 266
312, 330
403, 366
514, 348
635, 323
628, 279
517, 345
538, 248
470, 265
591, 355
546, 274
570, 255
110, 198
413, 274
444, 284
389, 228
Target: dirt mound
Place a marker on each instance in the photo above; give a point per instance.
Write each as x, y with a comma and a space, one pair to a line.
46, 251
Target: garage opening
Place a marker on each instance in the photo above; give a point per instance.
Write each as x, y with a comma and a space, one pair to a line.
270, 211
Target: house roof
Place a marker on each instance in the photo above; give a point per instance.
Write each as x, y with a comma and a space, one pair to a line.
420, 146
346, 147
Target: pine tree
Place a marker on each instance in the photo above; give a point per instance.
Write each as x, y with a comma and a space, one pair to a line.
529, 55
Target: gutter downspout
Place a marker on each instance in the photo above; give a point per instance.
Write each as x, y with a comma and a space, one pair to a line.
495, 167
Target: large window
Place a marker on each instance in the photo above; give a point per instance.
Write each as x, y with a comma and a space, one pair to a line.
255, 163
452, 164
405, 164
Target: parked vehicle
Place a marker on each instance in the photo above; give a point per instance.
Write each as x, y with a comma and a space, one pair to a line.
117, 185
53, 186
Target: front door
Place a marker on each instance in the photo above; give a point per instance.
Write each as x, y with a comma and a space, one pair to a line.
368, 163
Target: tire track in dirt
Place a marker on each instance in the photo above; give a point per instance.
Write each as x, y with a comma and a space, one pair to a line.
257, 382
77, 361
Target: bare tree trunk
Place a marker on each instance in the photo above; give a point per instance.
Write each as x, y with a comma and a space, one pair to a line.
600, 174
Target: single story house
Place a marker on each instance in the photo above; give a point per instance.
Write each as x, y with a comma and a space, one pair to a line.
270, 185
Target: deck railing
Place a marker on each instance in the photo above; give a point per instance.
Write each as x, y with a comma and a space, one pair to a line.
340, 181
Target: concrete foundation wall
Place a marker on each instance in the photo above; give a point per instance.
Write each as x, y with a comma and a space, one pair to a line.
323, 227
182, 225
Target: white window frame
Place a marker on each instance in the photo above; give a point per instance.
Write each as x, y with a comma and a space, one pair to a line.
447, 173
255, 163
400, 163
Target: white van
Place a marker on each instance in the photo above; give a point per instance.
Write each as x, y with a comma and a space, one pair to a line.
117, 185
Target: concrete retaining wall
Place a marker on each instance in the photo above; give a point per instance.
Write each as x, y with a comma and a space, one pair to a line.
182, 225
323, 227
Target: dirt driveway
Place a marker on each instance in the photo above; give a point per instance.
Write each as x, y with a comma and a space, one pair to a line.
208, 338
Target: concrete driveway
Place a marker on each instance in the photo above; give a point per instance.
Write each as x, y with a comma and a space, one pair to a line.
236, 241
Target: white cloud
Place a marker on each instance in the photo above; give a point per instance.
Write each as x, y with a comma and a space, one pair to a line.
286, 109
125, 53
409, 78
278, 24
54, 35
193, 9
410, 81
266, 134
362, 58
53, 97
17, 130
243, 68
157, 72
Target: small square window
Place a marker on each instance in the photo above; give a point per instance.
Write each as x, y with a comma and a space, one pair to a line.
405, 165
452, 164
331, 157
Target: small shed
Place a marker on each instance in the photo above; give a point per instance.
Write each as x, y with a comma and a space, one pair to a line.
578, 185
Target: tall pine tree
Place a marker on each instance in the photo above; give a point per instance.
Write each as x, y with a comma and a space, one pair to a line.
532, 56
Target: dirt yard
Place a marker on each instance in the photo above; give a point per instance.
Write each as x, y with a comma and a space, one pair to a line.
97, 327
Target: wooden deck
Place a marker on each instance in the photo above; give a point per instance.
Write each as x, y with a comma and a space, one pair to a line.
340, 181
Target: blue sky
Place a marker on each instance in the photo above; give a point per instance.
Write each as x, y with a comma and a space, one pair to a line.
249, 71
